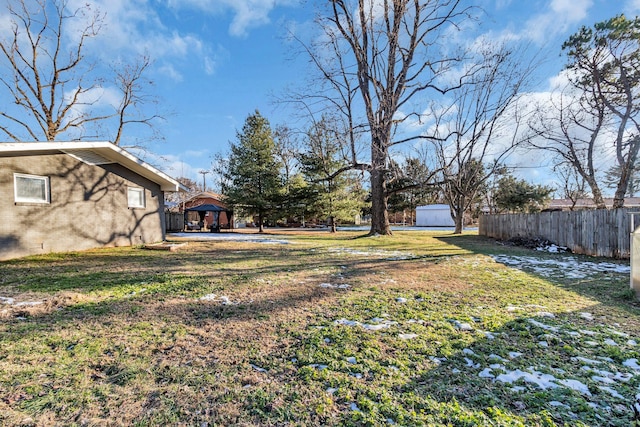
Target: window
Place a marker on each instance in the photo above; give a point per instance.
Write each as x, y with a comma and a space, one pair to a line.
31, 188
135, 197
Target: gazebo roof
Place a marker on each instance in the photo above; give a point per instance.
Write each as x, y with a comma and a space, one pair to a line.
205, 208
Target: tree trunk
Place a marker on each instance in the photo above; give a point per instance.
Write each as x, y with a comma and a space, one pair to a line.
332, 223
260, 223
459, 220
597, 194
379, 214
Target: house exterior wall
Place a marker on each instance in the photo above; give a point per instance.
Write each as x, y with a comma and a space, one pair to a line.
88, 207
434, 216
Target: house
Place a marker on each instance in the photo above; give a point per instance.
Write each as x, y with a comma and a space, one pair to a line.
68, 196
207, 211
434, 216
580, 204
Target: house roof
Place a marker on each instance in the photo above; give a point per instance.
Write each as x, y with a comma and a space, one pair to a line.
629, 202
93, 153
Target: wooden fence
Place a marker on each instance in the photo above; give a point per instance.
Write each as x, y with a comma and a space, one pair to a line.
174, 221
592, 232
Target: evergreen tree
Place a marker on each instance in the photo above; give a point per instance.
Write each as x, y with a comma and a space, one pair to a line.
252, 176
517, 195
334, 191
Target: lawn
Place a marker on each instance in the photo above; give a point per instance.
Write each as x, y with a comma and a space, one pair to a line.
420, 328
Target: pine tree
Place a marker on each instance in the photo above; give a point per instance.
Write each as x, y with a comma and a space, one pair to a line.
253, 179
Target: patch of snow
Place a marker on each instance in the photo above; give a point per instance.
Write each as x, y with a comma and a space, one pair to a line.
592, 343
12, 301
401, 300
455, 371
569, 266
557, 404
632, 363
545, 314
544, 381
332, 286
351, 360
632, 343
496, 357
354, 407
543, 326
28, 303
234, 237
258, 368
462, 326
318, 366
486, 373
468, 351
575, 385
489, 335
514, 354
471, 363
407, 336
437, 360
610, 342
379, 326
331, 390
586, 332
585, 360
604, 380
611, 391
543, 344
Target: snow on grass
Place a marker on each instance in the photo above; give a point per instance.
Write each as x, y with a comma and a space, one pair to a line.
334, 286
566, 266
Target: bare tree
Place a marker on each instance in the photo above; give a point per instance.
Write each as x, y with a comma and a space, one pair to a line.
374, 58
604, 70
480, 127
570, 127
55, 88
573, 185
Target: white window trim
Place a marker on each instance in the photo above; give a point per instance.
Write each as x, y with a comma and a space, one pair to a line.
18, 199
140, 191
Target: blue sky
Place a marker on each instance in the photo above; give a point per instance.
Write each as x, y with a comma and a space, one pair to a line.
216, 61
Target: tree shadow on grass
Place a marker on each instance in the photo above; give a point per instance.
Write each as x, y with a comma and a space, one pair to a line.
608, 287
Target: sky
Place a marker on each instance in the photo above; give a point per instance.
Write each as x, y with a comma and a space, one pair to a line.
214, 62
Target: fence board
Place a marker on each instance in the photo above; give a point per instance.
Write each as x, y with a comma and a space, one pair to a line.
592, 232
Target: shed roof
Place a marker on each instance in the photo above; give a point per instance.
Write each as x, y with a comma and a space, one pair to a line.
93, 153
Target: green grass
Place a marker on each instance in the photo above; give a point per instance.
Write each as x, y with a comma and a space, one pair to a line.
123, 338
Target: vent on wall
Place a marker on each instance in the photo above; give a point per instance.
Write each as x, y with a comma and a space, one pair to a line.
89, 157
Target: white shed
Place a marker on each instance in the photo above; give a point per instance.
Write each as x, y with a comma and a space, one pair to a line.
434, 216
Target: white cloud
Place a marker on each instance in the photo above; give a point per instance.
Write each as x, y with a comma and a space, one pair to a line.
168, 70
560, 16
247, 14
133, 27
632, 7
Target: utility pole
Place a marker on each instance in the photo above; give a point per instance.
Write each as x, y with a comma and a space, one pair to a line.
204, 179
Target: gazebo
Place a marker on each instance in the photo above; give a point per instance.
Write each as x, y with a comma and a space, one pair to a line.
202, 211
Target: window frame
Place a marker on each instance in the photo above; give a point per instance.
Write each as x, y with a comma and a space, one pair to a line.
44, 179
140, 191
